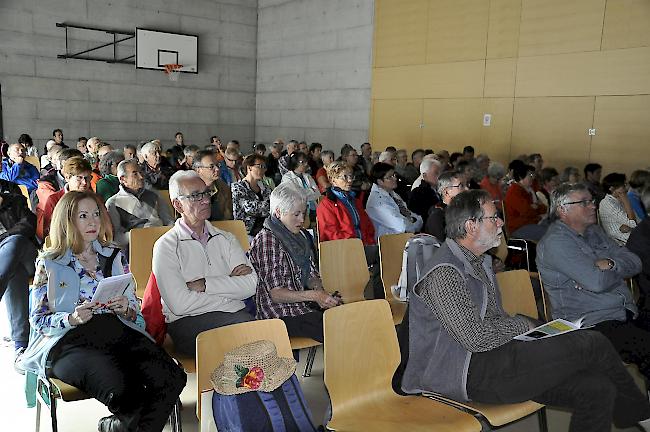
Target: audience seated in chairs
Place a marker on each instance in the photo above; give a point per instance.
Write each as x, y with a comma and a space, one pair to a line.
156, 176
284, 257
425, 196
584, 273
77, 172
18, 251
523, 209
617, 216
300, 179
134, 206
593, 172
17, 170
466, 352
450, 184
109, 184
493, 183
202, 272
221, 205
387, 210
53, 180
229, 168
251, 197
101, 349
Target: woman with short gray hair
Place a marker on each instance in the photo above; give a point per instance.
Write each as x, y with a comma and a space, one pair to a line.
284, 257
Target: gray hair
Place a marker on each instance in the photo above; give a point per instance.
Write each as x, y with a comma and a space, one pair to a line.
465, 206
560, 196
445, 180
427, 163
110, 160
386, 156
287, 197
329, 153
496, 170
567, 173
121, 167
176, 179
149, 148
190, 150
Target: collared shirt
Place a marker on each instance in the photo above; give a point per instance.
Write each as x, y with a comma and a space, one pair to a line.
203, 238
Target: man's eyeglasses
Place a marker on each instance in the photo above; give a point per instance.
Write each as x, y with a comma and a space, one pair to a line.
494, 218
210, 167
232, 160
583, 203
459, 186
260, 165
197, 196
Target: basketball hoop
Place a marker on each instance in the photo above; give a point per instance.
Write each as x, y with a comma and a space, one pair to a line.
173, 71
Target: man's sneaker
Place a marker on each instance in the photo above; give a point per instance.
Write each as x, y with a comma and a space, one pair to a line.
18, 361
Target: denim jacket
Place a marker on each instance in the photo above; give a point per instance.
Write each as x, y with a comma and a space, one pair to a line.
575, 286
63, 285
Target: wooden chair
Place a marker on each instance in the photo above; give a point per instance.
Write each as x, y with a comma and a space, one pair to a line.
517, 297
212, 345
164, 194
141, 242
34, 161
237, 228
361, 355
343, 268
25, 193
391, 250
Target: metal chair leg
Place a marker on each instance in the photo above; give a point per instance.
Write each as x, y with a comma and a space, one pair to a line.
541, 418
38, 414
311, 356
55, 427
175, 417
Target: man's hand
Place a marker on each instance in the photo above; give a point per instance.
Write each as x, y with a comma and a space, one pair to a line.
604, 264
197, 285
241, 270
324, 299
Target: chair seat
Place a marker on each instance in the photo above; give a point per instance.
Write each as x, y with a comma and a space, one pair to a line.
67, 392
398, 310
298, 343
390, 412
188, 363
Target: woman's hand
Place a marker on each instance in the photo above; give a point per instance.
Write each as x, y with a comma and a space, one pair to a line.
119, 305
82, 313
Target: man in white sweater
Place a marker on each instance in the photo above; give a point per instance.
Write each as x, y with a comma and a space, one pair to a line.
202, 272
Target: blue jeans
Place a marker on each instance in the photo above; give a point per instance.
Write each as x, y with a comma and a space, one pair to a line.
17, 255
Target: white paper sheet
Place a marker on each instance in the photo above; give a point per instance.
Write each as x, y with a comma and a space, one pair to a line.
111, 287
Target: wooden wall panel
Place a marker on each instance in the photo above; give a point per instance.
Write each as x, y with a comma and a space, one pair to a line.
500, 76
622, 125
560, 26
614, 72
397, 123
451, 123
627, 24
400, 32
457, 30
458, 79
495, 139
557, 127
503, 28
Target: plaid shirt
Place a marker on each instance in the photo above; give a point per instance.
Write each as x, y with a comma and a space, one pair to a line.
276, 269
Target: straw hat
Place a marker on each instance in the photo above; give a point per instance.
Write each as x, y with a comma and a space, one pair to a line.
252, 367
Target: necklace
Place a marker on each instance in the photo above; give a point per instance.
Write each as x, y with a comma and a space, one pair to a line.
88, 260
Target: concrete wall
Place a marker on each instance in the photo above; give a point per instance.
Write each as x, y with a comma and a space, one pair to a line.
314, 61
115, 101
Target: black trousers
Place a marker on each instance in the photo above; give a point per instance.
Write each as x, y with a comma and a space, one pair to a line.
123, 369
631, 341
308, 325
580, 371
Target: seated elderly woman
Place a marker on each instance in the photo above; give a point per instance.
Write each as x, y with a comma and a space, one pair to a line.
100, 348
616, 214
493, 183
387, 210
297, 175
109, 183
522, 206
284, 258
250, 196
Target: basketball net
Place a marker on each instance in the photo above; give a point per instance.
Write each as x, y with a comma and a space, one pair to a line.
173, 71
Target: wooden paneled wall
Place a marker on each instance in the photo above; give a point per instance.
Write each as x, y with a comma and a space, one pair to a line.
547, 71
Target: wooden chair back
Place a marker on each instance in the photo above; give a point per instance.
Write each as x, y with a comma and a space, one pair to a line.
343, 268
141, 242
25, 192
517, 294
502, 249
360, 352
212, 345
235, 227
164, 195
391, 251
34, 161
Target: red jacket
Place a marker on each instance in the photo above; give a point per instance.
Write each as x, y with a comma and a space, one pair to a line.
335, 222
519, 210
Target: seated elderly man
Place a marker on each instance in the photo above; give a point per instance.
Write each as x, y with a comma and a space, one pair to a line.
284, 258
450, 184
134, 206
584, 273
17, 170
156, 176
461, 340
206, 165
202, 272
424, 197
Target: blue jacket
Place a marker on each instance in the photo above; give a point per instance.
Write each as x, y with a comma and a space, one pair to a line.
23, 174
575, 286
63, 294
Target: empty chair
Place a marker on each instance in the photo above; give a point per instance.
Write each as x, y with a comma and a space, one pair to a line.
391, 250
343, 268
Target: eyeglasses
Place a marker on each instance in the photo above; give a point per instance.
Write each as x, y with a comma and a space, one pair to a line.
389, 177
494, 218
211, 166
302, 162
232, 160
197, 196
260, 165
583, 203
459, 186
346, 177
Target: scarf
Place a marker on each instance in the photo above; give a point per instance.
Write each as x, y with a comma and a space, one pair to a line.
305, 185
347, 198
297, 245
404, 211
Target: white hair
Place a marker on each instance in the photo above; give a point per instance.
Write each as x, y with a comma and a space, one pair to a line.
176, 180
286, 197
385, 156
149, 148
121, 167
427, 163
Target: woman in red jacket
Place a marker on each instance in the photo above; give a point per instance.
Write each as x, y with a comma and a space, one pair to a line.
341, 215
522, 206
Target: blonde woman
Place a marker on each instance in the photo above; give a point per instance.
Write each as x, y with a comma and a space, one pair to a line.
100, 348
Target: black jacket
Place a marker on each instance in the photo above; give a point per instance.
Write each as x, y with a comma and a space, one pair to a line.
15, 216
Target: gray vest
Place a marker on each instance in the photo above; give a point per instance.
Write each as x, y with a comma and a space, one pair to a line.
437, 363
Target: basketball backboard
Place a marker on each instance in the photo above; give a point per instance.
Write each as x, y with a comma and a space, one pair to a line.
154, 49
